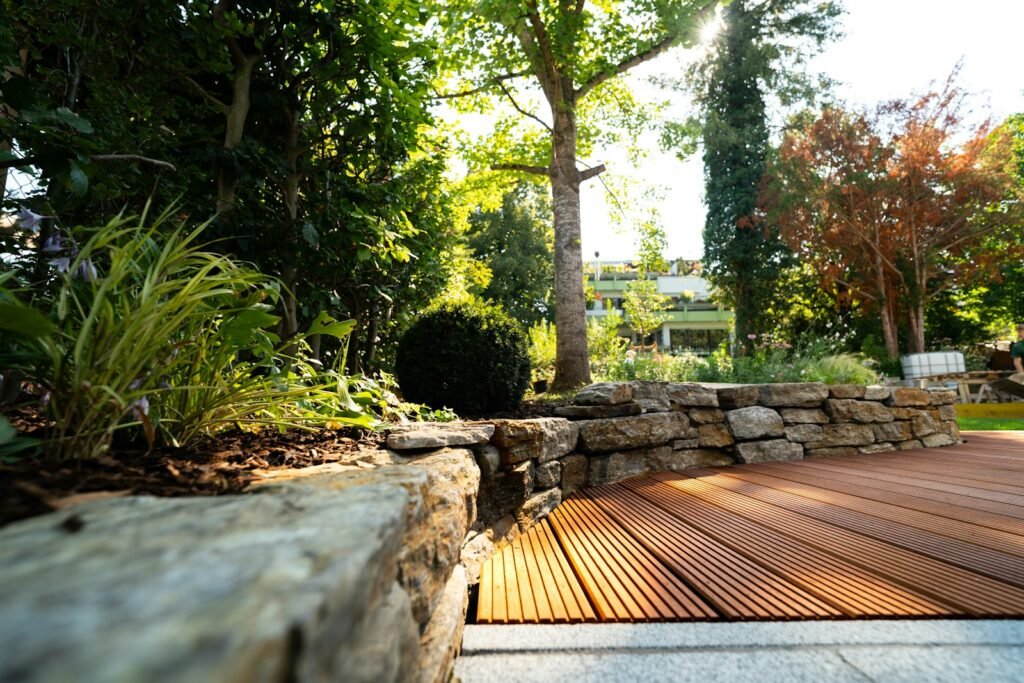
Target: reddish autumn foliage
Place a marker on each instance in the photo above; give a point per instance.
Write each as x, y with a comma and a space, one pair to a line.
897, 205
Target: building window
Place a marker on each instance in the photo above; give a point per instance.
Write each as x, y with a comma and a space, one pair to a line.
701, 342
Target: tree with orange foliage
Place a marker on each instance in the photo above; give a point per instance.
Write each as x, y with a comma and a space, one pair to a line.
892, 206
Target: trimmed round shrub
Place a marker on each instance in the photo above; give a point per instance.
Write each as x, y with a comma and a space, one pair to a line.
470, 357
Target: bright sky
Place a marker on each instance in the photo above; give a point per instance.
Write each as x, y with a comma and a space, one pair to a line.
892, 49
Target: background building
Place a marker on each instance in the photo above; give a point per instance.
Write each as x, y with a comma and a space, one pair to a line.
695, 323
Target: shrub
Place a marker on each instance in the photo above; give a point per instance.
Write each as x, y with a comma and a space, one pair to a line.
158, 336
469, 357
543, 348
604, 344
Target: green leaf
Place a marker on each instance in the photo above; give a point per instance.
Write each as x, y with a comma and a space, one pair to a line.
78, 181
310, 234
73, 120
238, 331
325, 324
24, 320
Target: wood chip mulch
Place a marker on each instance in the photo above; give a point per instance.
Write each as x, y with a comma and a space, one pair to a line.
31, 486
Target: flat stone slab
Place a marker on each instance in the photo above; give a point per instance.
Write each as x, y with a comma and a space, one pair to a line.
209, 589
438, 435
881, 651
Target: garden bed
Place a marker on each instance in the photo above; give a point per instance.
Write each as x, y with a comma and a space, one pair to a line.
226, 464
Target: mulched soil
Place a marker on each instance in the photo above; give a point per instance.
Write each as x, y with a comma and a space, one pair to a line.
33, 486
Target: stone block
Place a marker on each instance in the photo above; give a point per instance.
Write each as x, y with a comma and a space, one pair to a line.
893, 431
607, 469
732, 396
174, 590
537, 508
604, 394
923, 425
909, 444
548, 475
438, 435
907, 396
479, 545
541, 438
442, 638
641, 431
883, 447
703, 416
575, 469
793, 395
714, 435
803, 433
876, 392
803, 416
830, 452
653, 405
947, 412
685, 444
939, 397
754, 422
505, 491
488, 460
846, 434
684, 395
933, 440
846, 391
598, 412
776, 450
678, 461
849, 410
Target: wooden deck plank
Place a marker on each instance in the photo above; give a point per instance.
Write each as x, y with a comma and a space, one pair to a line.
850, 589
969, 556
733, 584
905, 499
910, 488
671, 598
926, 533
975, 594
569, 588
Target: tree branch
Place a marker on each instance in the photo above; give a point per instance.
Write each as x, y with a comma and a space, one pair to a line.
640, 57
206, 95
522, 168
591, 172
520, 109
133, 157
497, 80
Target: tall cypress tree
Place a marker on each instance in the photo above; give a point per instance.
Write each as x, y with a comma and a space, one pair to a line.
759, 53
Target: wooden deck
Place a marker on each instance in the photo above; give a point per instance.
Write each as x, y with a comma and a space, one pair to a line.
923, 533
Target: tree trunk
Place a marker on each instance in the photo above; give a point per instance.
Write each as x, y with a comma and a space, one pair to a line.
234, 128
572, 364
889, 334
916, 319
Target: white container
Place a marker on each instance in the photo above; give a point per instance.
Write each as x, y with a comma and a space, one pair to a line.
930, 364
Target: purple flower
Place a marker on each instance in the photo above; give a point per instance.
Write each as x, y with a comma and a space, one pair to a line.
30, 220
751, 337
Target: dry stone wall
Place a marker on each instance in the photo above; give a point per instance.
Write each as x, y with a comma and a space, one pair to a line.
360, 570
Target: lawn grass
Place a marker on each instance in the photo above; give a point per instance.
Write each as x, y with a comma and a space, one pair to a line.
990, 423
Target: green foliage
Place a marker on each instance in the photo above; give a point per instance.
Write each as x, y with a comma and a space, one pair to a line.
644, 307
542, 350
759, 52
769, 362
990, 424
605, 344
379, 395
514, 242
471, 358
157, 336
304, 126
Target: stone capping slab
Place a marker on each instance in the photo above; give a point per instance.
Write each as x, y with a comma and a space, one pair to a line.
423, 435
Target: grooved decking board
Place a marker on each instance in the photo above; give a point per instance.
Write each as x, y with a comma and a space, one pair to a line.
925, 533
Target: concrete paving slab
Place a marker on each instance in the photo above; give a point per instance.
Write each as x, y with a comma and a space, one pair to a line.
486, 639
989, 651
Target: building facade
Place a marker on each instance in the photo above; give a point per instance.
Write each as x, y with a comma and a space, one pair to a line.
695, 324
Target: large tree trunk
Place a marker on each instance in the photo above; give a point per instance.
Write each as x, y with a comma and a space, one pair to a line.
889, 333
916, 320
235, 115
572, 364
